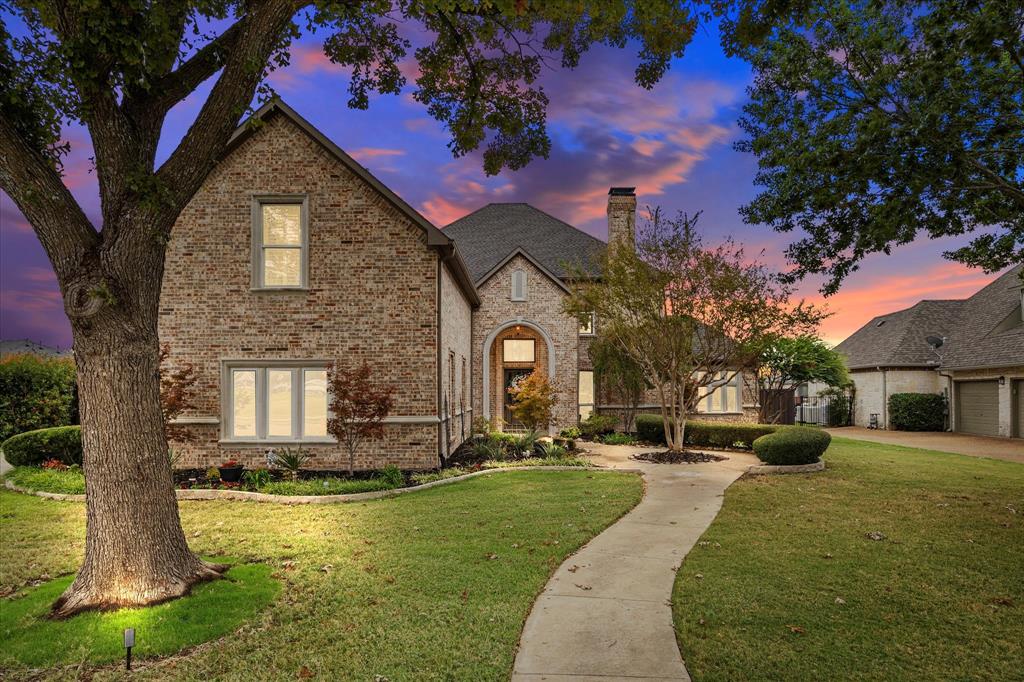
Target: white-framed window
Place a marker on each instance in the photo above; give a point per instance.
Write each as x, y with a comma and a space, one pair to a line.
270, 402
725, 398
587, 327
518, 350
586, 394
518, 285
280, 242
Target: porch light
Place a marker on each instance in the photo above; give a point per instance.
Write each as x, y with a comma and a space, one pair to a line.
1002, 381
129, 642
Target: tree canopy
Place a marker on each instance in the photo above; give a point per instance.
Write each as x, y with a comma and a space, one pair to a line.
792, 360
874, 122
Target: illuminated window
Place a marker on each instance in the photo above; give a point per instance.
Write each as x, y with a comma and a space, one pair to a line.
587, 328
722, 398
275, 403
586, 394
279, 244
518, 350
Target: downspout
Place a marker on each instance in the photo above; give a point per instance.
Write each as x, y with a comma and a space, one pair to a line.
440, 417
885, 401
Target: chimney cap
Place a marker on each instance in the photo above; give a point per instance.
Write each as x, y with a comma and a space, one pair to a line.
622, 191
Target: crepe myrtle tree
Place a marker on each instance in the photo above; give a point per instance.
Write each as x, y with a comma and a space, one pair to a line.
876, 122
117, 68
692, 316
793, 360
619, 376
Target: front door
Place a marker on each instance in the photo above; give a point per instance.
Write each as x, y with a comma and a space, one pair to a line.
511, 423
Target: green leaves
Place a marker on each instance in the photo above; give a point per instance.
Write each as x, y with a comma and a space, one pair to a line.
875, 122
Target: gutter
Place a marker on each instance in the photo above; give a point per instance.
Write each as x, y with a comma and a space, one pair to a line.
885, 399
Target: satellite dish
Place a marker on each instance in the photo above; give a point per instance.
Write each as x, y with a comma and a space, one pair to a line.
935, 341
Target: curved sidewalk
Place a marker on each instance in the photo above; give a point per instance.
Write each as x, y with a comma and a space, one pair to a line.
606, 612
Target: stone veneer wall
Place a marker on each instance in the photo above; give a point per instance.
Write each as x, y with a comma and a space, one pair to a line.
456, 340
372, 294
544, 307
868, 390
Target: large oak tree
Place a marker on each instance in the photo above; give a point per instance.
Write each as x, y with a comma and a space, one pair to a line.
118, 67
875, 122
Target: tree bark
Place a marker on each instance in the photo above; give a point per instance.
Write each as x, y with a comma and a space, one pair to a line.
135, 553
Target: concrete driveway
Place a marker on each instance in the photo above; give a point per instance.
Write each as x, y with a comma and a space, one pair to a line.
1011, 449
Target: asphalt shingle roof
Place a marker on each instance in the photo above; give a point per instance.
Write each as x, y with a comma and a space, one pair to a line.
976, 335
486, 236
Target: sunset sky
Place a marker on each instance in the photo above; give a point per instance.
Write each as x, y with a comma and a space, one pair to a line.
673, 143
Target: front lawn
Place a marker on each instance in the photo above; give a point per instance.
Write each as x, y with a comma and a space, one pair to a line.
432, 585
895, 563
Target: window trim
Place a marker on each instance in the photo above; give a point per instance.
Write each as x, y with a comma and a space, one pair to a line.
261, 367
734, 387
256, 260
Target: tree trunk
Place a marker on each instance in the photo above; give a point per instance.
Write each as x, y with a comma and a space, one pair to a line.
135, 549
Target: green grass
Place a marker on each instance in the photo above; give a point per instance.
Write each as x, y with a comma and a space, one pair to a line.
213, 609
434, 585
69, 481
786, 585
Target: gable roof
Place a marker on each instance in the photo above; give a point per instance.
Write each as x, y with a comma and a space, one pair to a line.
488, 235
991, 331
434, 237
975, 336
533, 261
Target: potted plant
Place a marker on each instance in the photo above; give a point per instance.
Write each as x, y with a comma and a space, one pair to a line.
231, 471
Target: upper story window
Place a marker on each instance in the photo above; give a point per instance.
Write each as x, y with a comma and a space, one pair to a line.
519, 285
275, 403
587, 327
280, 243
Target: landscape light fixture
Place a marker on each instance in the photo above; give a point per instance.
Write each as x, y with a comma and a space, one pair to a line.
129, 642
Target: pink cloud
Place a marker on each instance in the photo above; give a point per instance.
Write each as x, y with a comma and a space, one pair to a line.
365, 153
442, 211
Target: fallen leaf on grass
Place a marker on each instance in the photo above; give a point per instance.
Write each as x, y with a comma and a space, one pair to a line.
840, 601
874, 535
305, 673
795, 629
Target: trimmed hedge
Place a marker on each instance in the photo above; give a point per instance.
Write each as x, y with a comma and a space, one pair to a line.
597, 425
917, 411
792, 445
32, 448
705, 433
36, 393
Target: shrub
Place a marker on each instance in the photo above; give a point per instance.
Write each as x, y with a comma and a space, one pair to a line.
32, 448
539, 462
489, 447
326, 486
290, 461
792, 445
525, 444
705, 434
917, 411
36, 393
618, 439
597, 425
553, 450
431, 476
256, 478
571, 433
392, 475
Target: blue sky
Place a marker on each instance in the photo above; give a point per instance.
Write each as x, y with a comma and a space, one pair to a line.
674, 143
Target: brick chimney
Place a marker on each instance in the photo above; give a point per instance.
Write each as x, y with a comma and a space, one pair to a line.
622, 215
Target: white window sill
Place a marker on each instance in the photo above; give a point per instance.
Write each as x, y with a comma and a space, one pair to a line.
269, 443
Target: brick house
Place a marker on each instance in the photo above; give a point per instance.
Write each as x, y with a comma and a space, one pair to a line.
292, 256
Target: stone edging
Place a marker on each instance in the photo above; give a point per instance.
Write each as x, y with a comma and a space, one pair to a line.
786, 468
246, 496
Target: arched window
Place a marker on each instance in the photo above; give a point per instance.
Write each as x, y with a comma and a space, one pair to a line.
519, 285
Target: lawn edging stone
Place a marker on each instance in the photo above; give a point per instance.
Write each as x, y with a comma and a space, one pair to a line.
246, 496
761, 469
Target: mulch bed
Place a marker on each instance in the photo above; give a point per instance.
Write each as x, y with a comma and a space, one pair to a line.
673, 457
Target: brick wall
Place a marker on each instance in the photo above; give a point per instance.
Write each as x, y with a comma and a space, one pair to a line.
371, 297
456, 353
543, 307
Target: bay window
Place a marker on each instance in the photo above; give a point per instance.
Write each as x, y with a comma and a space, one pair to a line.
272, 402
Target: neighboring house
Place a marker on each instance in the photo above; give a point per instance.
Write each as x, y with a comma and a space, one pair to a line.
971, 350
292, 256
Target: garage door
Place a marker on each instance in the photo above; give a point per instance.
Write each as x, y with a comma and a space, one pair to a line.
978, 407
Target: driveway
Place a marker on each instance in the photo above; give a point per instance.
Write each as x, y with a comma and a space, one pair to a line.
1011, 449
606, 612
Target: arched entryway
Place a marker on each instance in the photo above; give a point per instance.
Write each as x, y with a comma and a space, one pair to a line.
512, 348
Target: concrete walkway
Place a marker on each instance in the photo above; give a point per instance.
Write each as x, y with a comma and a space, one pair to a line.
606, 613
1011, 449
